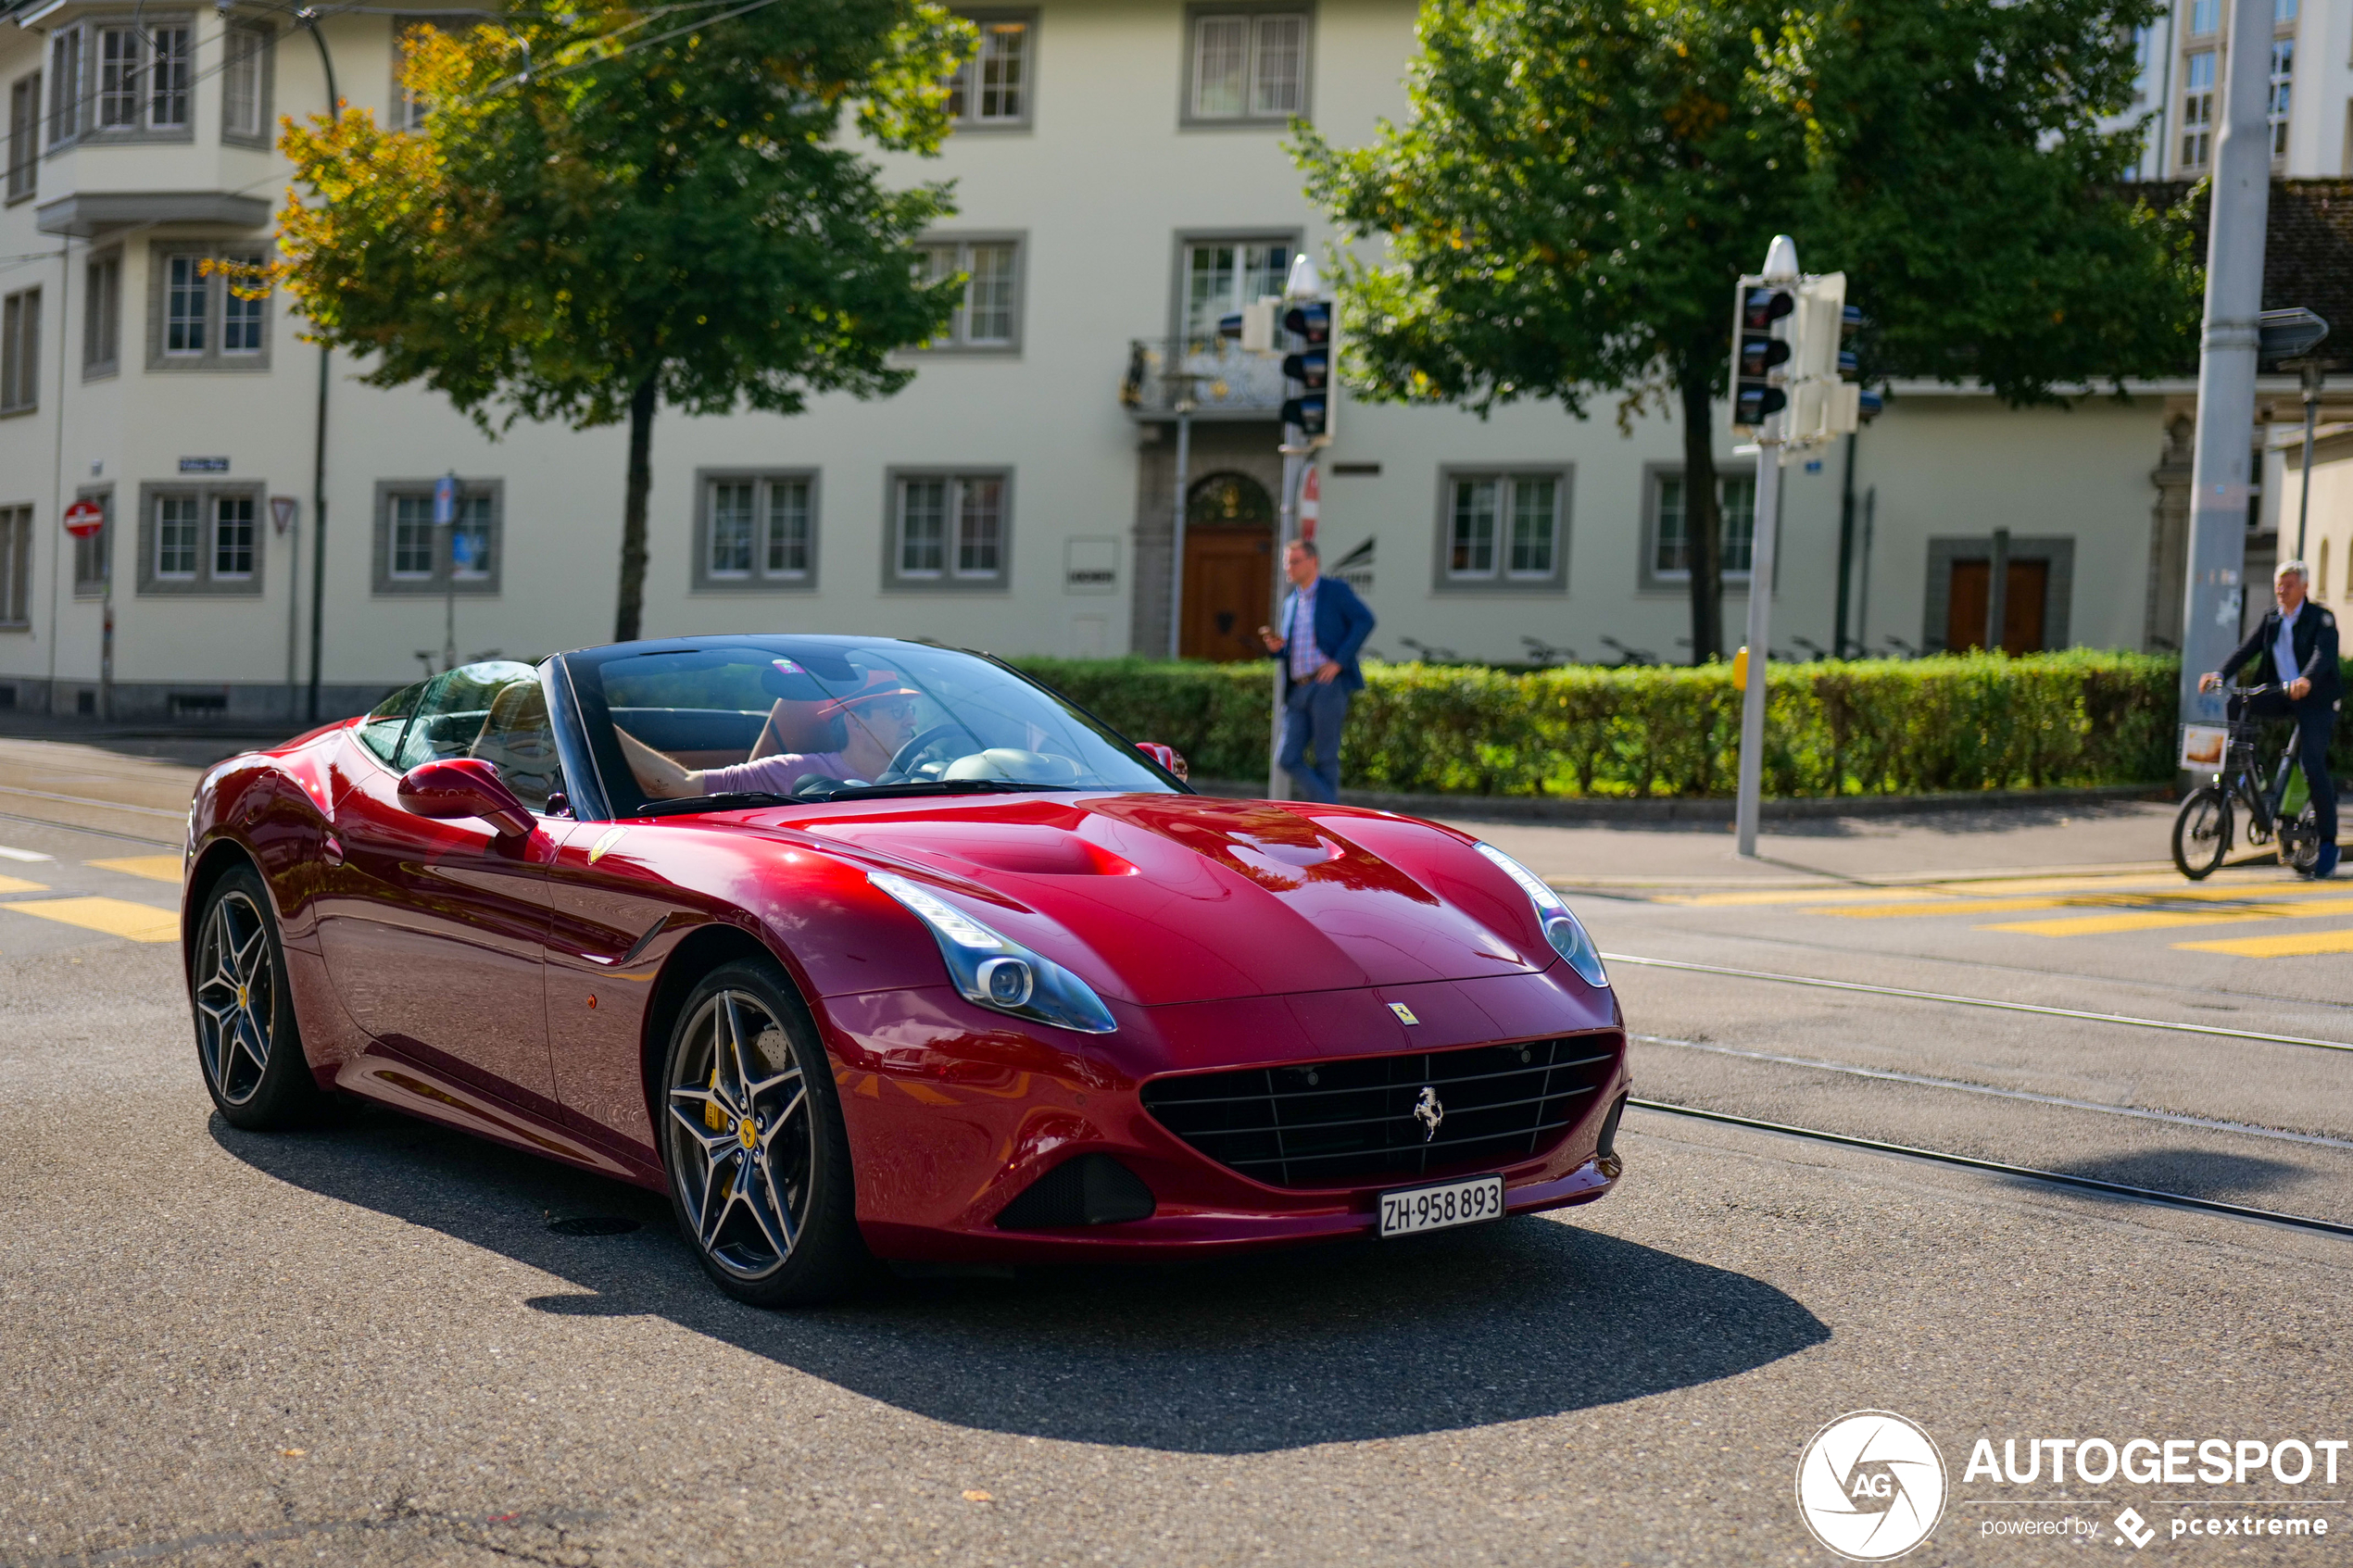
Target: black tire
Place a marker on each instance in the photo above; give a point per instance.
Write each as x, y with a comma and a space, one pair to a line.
248, 1045
2202, 832
748, 1090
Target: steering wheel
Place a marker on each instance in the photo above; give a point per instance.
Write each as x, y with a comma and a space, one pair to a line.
904, 764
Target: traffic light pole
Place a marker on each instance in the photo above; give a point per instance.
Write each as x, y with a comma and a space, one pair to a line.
2212, 600
1760, 631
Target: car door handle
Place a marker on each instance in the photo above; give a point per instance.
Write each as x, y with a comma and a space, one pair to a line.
331, 851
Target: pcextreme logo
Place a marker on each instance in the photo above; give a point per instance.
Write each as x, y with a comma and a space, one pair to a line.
1871, 1486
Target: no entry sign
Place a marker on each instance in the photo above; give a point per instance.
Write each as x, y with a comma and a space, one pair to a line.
84, 518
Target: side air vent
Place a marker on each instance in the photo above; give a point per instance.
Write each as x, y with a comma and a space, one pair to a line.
1093, 1189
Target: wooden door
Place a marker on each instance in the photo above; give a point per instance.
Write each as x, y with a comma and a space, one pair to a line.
1229, 578
1965, 605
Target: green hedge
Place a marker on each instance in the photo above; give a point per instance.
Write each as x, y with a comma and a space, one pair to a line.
1864, 727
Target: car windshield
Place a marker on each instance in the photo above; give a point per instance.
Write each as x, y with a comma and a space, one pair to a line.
747, 719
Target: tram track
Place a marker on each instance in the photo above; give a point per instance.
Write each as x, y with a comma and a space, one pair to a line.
1995, 1167
1955, 1000
2061, 1102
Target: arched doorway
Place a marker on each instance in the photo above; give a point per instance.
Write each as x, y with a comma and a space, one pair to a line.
1230, 566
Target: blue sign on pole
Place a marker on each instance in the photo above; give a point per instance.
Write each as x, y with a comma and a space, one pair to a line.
444, 498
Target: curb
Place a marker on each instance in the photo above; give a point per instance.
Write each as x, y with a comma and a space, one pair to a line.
1714, 811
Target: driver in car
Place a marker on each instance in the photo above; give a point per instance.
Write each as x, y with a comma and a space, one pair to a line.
869, 728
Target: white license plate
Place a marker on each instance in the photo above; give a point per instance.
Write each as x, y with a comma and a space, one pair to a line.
1465, 1202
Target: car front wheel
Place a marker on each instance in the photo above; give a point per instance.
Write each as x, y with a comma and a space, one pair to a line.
760, 1173
247, 1043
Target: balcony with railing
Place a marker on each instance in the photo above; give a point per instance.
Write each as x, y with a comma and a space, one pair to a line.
1223, 380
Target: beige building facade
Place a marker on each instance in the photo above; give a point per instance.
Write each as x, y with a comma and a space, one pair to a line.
1122, 182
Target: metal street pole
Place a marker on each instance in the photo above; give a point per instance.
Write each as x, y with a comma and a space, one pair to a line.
1781, 268
1760, 631
2219, 480
1285, 530
308, 17
1183, 382
2312, 381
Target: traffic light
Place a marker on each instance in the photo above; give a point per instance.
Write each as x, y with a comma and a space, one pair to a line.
1307, 369
1760, 348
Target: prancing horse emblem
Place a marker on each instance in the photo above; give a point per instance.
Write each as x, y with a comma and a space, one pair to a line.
1428, 1113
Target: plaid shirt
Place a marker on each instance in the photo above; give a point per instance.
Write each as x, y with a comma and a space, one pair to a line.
1298, 635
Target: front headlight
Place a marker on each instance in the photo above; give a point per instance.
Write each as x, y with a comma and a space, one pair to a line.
1561, 928
997, 971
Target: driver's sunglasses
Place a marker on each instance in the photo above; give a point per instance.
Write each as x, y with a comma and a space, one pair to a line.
892, 708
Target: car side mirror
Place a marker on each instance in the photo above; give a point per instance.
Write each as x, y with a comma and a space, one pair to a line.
464, 786
1167, 757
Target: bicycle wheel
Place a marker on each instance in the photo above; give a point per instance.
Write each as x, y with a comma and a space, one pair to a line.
2202, 832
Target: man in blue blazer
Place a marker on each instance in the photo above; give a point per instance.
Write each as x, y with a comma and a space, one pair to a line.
1324, 627
2298, 642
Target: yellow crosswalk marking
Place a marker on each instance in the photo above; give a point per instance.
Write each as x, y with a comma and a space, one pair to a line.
18, 885
2297, 945
2173, 898
2157, 920
155, 868
116, 917
1998, 888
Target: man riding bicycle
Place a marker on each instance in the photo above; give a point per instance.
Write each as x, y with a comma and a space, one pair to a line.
2299, 638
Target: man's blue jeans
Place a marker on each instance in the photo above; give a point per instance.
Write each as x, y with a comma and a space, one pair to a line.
1314, 712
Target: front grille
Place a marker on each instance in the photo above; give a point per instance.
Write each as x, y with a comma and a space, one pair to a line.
1345, 1123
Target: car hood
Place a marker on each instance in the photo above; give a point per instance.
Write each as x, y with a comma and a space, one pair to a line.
1161, 899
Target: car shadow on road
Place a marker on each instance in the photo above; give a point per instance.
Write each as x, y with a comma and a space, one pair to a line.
1335, 1344
2195, 1172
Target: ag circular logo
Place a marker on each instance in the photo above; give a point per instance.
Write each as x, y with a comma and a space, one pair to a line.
1871, 1486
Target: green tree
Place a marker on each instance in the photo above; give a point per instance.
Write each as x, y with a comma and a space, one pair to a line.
616, 206
1580, 181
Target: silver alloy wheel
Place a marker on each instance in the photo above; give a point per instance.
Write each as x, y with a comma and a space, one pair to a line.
743, 1135
236, 998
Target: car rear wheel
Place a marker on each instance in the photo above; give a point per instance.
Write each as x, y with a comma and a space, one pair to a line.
760, 1174
246, 1040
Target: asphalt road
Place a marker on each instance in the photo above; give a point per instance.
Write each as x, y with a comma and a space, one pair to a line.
365, 1344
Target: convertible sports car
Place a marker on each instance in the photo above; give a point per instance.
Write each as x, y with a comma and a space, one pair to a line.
863, 948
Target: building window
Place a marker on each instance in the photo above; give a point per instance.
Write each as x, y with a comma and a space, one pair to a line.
949, 530
1222, 276
993, 87
1248, 65
198, 317
65, 86
408, 113
2206, 17
416, 555
92, 554
989, 315
101, 315
1503, 530
232, 536
2197, 108
142, 81
24, 135
2283, 73
757, 531
200, 539
16, 566
1669, 559
176, 537
20, 352
244, 86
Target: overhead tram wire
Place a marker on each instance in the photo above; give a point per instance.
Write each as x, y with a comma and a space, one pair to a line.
2085, 1015
2022, 1172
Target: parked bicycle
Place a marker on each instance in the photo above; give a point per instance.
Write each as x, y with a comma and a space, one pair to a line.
1630, 658
1542, 652
2202, 828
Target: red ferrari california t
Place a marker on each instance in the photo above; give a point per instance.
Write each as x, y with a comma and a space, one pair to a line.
866, 948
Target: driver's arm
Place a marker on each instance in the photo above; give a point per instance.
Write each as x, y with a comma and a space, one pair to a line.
657, 775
